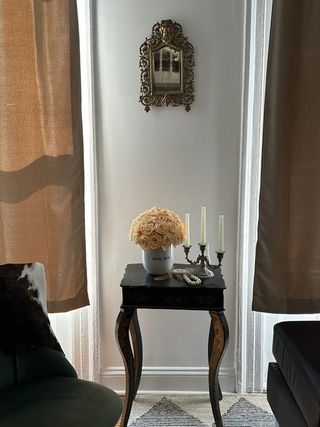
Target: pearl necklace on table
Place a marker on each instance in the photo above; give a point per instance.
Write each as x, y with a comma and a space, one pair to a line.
189, 278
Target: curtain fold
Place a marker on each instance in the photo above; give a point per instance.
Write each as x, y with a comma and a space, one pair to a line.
287, 270
41, 151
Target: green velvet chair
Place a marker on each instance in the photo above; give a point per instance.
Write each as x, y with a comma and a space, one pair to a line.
38, 386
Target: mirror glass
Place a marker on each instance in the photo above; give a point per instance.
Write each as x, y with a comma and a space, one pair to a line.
166, 70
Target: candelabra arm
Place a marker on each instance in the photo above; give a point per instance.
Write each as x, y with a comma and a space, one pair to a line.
199, 259
220, 257
186, 251
190, 261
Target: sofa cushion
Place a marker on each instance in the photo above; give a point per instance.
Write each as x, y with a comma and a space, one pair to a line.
42, 363
34, 364
281, 400
296, 348
59, 402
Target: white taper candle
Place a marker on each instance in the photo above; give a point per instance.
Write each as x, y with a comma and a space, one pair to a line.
221, 234
186, 241
203, 227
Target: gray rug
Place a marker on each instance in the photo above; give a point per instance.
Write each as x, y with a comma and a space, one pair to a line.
167, 413
245, 414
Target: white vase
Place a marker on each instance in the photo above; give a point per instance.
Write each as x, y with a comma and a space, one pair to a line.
157, 261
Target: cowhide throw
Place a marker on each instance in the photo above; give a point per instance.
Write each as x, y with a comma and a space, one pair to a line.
24, 323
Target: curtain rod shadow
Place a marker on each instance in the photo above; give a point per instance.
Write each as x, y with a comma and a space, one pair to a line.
17, 186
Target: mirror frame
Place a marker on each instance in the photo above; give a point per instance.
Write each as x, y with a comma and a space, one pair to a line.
167, 34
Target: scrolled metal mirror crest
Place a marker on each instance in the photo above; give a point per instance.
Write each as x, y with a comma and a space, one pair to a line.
167, 67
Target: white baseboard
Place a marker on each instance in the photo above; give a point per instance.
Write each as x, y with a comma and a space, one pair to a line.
168, 380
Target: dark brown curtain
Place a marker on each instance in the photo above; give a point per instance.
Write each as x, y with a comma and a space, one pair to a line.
41, 158
287, 273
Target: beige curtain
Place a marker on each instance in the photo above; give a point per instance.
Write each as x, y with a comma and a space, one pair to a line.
41, 159
287, 274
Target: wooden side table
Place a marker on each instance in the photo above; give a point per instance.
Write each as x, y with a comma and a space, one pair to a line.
141, 290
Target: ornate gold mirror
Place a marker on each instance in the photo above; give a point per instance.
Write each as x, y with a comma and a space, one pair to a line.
167, 63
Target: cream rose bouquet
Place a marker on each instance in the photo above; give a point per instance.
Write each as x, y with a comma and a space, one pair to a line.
157, 228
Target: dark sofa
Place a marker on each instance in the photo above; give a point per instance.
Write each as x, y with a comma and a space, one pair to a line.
293, 388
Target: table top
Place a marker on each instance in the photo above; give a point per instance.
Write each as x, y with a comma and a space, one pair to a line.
135, 276
142, 290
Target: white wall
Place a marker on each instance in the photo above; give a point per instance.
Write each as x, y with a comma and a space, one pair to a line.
168, 158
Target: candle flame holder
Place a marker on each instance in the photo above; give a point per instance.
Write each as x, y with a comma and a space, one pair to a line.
202, 262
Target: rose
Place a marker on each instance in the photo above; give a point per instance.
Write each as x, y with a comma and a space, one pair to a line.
147, 228
167, 240
176, 239
135, 237
174, 227
155, 241
161, 227
144, 242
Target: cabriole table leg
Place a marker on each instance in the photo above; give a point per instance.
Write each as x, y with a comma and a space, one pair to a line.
218, 340
137, 350
123, 341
